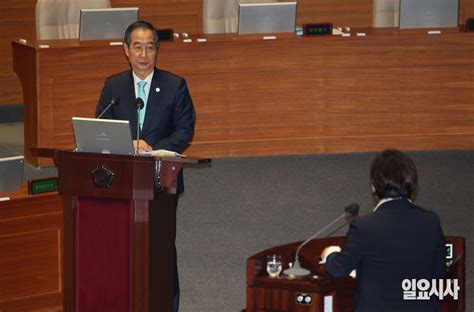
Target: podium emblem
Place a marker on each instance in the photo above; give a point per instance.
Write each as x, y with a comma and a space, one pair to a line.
102, 177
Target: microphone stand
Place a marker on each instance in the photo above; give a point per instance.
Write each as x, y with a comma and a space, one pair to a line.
139, 104
138, 131
114, 101
297, 270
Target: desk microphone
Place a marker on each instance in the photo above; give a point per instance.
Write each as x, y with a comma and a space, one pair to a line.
352, 210
139, 105
114, 101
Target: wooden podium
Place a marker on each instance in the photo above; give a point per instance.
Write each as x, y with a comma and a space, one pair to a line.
319, 292
119, 228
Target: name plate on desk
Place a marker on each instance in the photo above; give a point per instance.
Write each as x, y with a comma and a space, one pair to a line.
42, 186
317, 29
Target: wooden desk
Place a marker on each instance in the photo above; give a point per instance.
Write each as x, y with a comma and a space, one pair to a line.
31, 233
292, 95
280, 294
182, 15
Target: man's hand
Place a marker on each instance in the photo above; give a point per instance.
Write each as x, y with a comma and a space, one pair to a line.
327, 251
142, 146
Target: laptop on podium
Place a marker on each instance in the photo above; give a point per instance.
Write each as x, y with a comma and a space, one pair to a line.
105, 136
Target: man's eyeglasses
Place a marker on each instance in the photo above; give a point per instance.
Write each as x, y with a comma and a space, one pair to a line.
148, 49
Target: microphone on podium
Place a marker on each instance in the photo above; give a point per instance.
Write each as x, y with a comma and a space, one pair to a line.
139, 105
114, 101
350, 211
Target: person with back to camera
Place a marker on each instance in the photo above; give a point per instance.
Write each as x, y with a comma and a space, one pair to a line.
397, 241
167, 119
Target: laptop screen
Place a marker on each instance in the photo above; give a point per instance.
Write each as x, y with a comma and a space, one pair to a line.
106, 136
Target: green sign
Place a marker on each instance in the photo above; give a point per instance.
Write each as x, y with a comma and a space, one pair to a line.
43, 186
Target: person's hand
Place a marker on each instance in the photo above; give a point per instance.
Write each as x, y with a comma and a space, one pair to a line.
142, 146
327, 251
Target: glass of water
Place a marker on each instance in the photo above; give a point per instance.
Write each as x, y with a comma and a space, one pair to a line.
274, 265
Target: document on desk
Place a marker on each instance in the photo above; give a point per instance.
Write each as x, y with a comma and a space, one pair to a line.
327, 303
162, 153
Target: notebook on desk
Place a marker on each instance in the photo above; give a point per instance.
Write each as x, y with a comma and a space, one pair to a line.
11, 174
105, 136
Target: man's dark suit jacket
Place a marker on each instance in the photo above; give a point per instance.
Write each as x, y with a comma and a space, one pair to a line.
169, 118
397, 241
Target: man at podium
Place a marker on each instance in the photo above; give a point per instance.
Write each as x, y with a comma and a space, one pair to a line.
395, 242
167, 118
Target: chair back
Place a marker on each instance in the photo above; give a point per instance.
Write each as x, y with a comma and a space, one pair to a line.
386, 13
59, 19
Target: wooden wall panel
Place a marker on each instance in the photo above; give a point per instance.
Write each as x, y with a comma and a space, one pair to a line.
330, 96
33, 250
466, 10
17, 20
289, 96
181, 15
353, 13
31, 253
